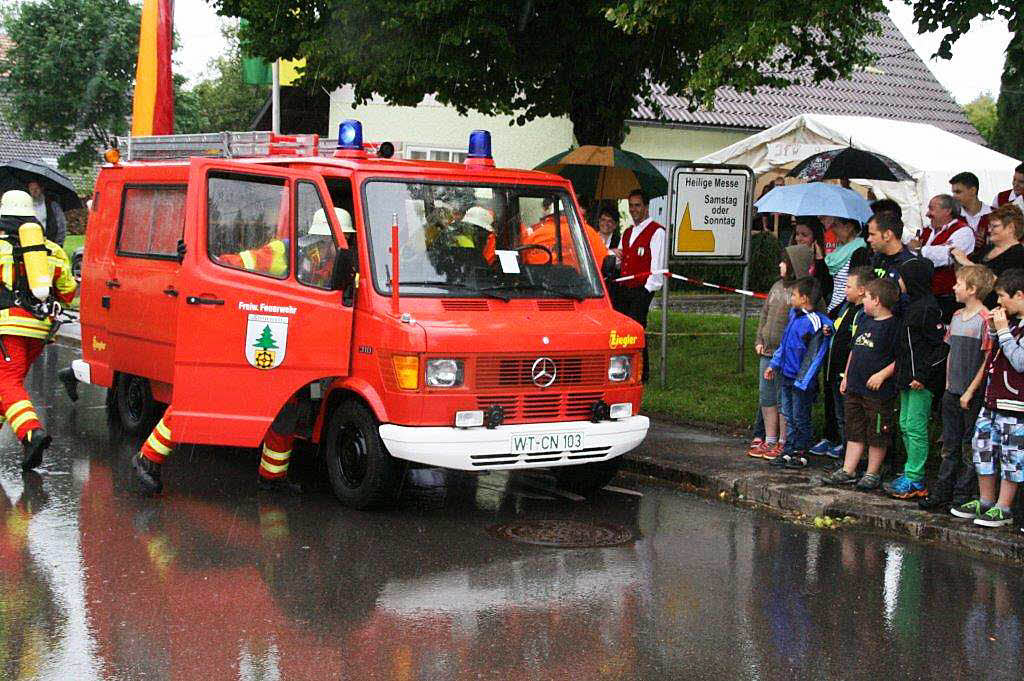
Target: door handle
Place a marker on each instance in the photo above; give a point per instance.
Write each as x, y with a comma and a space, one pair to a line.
113, 283
171, 291
195, 300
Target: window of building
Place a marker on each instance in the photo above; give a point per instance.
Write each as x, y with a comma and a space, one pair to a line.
435, 154
152, 221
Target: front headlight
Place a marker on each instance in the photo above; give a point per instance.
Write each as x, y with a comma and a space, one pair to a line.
619, 368
444, 373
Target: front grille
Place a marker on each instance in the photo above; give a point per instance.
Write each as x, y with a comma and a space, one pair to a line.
540, 407
517, 371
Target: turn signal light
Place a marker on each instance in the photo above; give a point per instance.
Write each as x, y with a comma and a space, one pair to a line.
112, 155
407, 371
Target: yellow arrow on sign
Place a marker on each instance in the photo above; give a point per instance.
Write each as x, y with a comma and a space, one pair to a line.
690, 240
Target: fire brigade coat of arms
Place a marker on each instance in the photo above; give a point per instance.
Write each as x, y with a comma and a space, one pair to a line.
266, 339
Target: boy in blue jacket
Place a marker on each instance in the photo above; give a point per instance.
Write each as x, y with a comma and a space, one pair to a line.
799, 357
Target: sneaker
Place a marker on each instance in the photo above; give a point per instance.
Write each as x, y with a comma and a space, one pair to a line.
797, 460
905, 488
779, 461
277, 485
869, 482
35, 443
822, 448
755, 443
838, 452
147, 474
840, 477
772, 452
935, 503
971, 510
758, 451
994, 517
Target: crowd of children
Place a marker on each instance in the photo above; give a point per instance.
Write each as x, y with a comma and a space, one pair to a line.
889, 361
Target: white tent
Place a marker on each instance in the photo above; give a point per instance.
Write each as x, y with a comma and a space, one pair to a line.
929, 154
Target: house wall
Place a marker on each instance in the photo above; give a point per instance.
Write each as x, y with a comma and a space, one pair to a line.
431, 124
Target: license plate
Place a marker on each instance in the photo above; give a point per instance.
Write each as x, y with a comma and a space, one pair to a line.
539, 443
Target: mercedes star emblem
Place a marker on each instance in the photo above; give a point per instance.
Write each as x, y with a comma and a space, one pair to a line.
543, 372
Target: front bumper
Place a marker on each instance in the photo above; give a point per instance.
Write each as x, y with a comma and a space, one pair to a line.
472, 449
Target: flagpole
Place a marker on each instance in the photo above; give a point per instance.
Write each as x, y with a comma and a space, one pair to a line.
275, 97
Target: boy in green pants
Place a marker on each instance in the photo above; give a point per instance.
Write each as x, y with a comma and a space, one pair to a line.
920, 369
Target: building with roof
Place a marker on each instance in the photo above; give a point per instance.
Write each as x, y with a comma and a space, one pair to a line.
899, 87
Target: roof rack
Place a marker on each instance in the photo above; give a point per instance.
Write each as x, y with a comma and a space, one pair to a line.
218, 145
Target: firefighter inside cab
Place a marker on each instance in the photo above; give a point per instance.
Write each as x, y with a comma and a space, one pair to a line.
35, 278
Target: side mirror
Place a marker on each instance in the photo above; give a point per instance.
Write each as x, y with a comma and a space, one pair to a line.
343, 273
609, 267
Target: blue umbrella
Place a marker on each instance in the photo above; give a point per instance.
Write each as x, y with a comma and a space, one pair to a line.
816, 198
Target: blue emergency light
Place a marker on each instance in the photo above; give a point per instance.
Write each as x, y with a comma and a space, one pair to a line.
479, 144
350, 134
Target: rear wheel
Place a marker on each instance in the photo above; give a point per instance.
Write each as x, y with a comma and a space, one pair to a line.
363, 475
587, 478
136, 408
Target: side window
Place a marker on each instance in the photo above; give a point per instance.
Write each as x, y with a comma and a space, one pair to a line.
247, 223
317, 247
152, 221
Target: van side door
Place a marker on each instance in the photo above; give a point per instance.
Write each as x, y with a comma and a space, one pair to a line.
252, 329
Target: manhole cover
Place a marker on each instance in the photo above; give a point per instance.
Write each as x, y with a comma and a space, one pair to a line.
563, 533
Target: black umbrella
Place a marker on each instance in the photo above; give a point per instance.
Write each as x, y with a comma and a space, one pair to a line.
849, 164
17, 173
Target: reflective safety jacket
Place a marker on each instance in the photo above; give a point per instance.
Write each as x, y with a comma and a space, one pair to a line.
271, 258
15, 321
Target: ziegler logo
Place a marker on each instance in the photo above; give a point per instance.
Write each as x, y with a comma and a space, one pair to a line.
617, 341
98, 345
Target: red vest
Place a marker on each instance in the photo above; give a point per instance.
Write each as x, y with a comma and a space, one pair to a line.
1003, 198
636, 257
945, 277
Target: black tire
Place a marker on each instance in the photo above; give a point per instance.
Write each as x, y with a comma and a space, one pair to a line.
362, 473
136, 408
586, 479
76, 265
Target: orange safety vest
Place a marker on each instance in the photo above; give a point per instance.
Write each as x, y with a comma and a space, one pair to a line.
543, 234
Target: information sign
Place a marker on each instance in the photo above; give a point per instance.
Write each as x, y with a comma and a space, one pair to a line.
710, 212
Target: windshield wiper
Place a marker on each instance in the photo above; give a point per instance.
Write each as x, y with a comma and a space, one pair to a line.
451, 286
538, 286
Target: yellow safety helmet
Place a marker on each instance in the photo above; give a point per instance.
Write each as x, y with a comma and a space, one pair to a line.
16, 203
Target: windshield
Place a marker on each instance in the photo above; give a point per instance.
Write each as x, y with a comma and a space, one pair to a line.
473, 241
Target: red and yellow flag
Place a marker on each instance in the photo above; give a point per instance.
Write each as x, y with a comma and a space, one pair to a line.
153, 106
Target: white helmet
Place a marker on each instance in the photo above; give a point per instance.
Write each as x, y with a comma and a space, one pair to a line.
320, 227
479, 216
16, 203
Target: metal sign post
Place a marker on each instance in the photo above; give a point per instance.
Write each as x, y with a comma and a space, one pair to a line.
709, 208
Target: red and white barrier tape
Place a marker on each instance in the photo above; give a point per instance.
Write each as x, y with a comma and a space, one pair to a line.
698, 282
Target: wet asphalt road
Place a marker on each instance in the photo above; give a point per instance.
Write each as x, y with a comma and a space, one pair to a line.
212, 581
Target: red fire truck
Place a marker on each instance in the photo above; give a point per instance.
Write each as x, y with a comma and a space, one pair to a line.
411, 308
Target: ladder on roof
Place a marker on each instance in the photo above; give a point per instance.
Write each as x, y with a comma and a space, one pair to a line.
221, 145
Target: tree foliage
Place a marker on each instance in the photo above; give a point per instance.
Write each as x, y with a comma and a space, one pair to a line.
590, 60
953, 18
981, 112
223, 101
70, 72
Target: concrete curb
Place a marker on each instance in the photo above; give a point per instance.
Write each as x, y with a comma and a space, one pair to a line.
798, 492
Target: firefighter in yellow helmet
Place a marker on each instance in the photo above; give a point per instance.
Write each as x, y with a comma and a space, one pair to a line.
35, 278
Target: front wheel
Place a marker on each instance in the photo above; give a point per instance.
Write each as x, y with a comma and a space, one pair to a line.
363, 475
587, 478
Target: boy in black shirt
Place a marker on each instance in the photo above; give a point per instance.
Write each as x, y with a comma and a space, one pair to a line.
869, 388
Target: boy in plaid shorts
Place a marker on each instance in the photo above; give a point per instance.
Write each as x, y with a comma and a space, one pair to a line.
999, 432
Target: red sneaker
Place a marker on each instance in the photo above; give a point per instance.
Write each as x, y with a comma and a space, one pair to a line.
772, 451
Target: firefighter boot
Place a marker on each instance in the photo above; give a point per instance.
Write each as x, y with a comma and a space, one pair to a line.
277, 485
67, 377
147, 473
35, 443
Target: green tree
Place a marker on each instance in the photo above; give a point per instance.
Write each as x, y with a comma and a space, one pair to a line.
591, 60
224, 101
981, 112
70, 71
954, 19
266, 339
